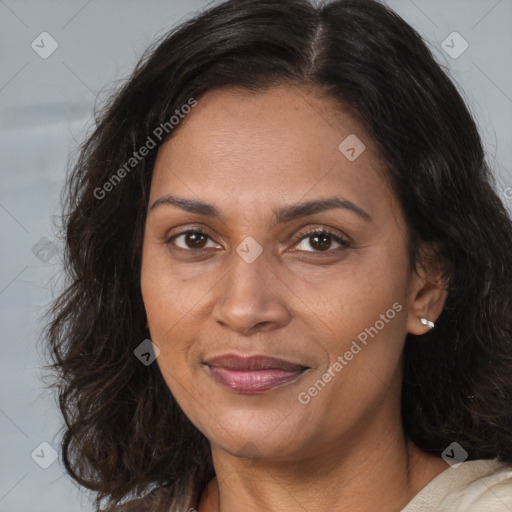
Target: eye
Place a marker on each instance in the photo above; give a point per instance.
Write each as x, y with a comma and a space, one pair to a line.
320, 240
191, 239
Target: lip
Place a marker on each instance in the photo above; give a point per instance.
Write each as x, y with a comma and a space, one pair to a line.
255, 374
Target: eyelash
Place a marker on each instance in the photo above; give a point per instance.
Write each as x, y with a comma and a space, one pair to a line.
322, 231
301, 236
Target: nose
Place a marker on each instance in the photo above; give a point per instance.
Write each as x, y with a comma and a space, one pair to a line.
252, 298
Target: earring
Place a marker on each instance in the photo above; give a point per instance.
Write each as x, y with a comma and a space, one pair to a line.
426, 322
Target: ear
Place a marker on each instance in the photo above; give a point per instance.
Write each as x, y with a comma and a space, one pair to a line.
427, 295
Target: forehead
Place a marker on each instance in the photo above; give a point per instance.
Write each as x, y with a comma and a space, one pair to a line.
283, 143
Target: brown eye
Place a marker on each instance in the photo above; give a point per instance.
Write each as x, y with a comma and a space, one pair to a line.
188, 240
195, 240
320, 241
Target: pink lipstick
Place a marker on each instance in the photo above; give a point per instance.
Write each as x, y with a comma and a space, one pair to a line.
250, 375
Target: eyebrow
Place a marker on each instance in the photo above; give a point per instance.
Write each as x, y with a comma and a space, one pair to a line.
281, 216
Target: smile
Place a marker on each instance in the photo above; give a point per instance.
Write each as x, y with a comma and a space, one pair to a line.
255, 374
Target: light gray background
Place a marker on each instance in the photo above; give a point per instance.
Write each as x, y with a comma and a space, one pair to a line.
45, 109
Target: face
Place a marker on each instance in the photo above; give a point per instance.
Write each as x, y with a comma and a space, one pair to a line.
275, 274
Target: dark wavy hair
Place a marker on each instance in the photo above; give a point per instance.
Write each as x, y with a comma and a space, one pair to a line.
124, 431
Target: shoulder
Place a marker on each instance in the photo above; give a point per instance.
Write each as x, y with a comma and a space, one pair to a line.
492, 489
472, 486
158, 500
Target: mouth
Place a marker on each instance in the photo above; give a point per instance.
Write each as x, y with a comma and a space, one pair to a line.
256, 374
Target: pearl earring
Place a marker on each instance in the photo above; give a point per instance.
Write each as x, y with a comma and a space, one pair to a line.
426, 322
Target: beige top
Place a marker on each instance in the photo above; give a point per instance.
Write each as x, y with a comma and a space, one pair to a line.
473, 486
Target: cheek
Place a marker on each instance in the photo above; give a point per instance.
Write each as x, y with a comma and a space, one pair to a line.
370, 321
176, 301
166, 305
169, 294
364, 308
353, 298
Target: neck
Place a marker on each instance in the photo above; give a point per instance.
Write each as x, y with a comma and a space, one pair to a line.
380, 471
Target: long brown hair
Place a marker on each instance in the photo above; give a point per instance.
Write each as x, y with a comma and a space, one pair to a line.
124, 431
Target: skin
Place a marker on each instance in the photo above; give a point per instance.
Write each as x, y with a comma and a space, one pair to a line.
249, 154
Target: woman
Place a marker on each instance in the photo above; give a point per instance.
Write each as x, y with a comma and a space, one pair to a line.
289, 271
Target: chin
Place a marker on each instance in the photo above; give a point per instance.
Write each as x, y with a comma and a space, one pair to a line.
250, 434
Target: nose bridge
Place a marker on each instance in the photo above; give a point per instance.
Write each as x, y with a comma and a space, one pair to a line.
249, 293
249, 279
